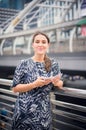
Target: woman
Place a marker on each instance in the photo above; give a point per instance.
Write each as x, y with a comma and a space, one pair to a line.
34, 79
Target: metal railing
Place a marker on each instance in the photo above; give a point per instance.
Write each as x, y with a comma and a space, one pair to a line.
68, 107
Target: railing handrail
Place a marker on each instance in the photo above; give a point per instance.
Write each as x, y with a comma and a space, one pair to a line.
73, 91
6, 82
8, 98
7, 92
68, 105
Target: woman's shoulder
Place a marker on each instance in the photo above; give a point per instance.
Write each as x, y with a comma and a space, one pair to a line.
25, 61
54, 61
25, 65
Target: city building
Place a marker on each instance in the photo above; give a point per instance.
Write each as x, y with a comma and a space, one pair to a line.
59, 19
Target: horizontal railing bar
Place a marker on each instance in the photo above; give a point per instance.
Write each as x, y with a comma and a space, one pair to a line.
5, 104
52, 6
69, 105
8, 124
7, 110
70, 95
8, 92
6, 82
68, 124
70, 115
8, 98
6, 117
72, 92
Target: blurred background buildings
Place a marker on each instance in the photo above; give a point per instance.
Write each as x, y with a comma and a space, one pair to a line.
58, 18
13, 4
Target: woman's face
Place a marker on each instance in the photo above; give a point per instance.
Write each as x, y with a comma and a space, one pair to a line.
40, 44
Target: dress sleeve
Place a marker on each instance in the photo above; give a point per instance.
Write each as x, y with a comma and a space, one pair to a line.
55, 68
18, 74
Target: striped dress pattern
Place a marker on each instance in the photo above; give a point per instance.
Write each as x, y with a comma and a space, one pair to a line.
33, 108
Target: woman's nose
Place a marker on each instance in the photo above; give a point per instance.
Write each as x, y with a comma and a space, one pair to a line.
40, 43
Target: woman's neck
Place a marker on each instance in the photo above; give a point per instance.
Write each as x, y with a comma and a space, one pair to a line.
38, 58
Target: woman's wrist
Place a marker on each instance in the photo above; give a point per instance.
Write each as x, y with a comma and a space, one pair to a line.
34, 84
58, 84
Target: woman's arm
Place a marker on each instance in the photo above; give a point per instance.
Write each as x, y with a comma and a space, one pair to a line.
58, 84
23, 87
39, 82
57, 81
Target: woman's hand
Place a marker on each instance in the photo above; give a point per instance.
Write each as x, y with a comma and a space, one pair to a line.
55, 79
41, 81
47, 80
57, 82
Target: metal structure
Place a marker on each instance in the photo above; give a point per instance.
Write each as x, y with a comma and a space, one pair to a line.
56, 17
67, 114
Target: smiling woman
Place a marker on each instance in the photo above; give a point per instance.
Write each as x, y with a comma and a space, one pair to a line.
40, 45
33, 107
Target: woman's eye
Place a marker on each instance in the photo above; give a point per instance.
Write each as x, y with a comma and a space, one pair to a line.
44, 42
36, 41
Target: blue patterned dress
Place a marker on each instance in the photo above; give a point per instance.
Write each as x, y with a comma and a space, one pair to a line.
33, 108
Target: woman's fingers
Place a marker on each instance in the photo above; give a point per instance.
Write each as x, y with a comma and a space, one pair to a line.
41, 81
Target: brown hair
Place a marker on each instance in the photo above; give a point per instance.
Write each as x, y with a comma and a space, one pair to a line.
47, 60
